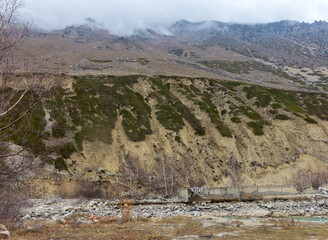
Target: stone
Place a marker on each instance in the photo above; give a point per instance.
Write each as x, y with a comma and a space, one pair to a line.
321, 202
257, 213
294, 213
84, 222
61, 220
277, 214
308, 214
4, 234
3, 228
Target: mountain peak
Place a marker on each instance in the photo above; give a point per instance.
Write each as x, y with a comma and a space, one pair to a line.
90, 31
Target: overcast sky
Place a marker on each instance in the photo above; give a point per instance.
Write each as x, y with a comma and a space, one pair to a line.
123, 16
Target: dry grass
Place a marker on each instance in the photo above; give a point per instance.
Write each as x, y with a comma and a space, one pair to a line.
288, 223
175, 227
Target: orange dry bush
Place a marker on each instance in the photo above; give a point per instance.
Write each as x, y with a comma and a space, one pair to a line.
126, 210
108, 219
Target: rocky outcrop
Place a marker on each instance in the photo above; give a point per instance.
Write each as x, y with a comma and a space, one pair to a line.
88, 32
266, 41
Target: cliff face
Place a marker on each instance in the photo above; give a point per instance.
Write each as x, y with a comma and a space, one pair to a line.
142, 134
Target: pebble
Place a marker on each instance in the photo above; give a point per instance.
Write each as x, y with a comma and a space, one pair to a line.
63, 208
4, 234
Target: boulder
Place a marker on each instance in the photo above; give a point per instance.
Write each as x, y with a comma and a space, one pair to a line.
277, 214
321, 202
301, 212
257, 213
4, 234
308, 214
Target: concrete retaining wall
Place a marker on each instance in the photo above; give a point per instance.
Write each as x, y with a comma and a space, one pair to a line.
235, 193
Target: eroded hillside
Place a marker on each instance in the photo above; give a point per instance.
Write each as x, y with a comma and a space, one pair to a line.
286, 55
159, 133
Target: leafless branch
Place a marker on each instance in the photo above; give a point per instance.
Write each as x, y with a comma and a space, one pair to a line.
14, 105
22, 115
19, 93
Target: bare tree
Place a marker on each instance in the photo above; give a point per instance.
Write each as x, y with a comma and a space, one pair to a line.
12, 28
20, 96
234, 170
304, 179
133, 176
21, 111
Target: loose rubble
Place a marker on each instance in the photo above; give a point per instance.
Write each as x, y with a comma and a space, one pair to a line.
93, 210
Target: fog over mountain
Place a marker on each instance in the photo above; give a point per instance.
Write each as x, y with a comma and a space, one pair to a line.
123, 17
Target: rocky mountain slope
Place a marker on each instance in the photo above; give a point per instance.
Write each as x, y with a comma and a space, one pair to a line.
284, 42
212, 104
287, 55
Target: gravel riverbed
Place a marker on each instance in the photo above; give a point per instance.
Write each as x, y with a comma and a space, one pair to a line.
58, 209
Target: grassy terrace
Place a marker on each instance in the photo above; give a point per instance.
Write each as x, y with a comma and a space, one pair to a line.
91, 109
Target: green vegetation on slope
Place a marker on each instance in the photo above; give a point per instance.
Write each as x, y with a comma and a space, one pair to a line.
56, 106
171, 110
296, 102
29, 131
99, 101
203, 100
91, 109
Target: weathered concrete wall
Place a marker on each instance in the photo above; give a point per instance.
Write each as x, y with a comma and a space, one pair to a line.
183, 194
249, 192
232, 191
235, 193
217, 191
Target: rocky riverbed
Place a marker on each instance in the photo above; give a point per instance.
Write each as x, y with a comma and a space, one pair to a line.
57, 209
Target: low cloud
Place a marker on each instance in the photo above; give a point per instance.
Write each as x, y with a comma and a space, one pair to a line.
124, 16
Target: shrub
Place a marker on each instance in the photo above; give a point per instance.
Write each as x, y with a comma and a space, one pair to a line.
310, 120
282, 117
66, 150
12, 201
276, 105
257, 128
236, 120
60, 164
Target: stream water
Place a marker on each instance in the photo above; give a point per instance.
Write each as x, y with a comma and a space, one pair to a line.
317, 219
